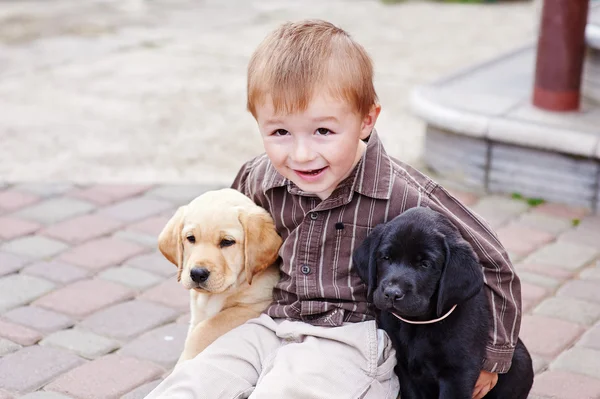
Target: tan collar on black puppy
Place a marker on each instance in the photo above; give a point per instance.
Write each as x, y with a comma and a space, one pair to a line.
427, 321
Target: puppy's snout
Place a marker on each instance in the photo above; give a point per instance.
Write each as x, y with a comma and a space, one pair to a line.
199, 274
393, 294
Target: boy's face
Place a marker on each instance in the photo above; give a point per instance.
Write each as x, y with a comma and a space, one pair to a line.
318, 147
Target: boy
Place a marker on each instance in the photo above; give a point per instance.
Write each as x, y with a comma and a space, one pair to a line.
327, 181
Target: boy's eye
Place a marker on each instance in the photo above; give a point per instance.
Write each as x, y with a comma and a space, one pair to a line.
323, 131
280, 132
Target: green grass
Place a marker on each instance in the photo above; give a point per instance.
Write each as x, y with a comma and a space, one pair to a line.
530, 201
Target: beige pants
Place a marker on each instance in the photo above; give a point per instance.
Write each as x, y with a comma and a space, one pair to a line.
267, 358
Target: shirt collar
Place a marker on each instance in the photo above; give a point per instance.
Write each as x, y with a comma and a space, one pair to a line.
372, 176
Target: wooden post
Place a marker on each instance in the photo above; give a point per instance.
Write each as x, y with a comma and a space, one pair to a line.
560, 52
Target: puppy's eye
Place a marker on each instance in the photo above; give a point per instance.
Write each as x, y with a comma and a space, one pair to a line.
385, 258
191, 239
226, 243
425, 264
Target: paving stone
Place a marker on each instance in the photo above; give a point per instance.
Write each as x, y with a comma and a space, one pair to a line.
162, 346
591, 339
183, 319
514, 257
149, 241
590, 223
550, 224
131, 277
36, 247
579, 360
84, 297
5, 395
153, 262
142, 391
539, 279
16, 369
561, 211
151, 226
135, 209
564, 255
582, 236
523, 240
18, 334
18, 289
108, 377
545, 270
11, 227
82, 228
44, 395
565, 385
181, 194
568, 309
130, 319
532, 291
38, 319
539, 363
169, 293
86, 344
592, 274
58, 272
102, 253
45, 189
547, 336
586, 290
7, 347
104, 194
12, 200
465, 197
501, 204
55, 210
11, 263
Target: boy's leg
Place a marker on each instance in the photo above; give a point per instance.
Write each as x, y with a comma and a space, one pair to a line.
330, 362
229, 368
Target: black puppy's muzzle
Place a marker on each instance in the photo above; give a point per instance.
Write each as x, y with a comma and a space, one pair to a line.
393, 294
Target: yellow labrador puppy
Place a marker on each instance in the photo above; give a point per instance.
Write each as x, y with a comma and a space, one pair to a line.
224, 247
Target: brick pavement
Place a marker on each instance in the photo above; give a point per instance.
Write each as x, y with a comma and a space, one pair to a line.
90, 309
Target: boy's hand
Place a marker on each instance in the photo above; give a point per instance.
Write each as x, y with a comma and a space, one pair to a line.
484, 384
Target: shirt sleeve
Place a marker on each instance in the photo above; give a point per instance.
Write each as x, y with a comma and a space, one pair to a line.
502, 283
240, 182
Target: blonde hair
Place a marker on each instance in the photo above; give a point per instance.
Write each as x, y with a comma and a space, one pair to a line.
298, 58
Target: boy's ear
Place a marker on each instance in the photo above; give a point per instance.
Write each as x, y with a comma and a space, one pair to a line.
368, 122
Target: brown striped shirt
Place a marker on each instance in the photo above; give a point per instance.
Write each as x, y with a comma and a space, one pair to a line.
318, 284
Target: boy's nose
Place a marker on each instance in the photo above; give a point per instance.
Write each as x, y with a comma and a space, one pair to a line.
302, 152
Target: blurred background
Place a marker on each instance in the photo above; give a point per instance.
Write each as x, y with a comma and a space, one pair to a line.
154, 90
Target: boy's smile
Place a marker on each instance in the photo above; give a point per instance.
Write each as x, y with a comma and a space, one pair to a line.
316, 148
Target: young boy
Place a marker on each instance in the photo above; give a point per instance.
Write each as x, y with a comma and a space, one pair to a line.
327, 181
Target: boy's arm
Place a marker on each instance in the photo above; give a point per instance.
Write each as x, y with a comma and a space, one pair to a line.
240, 182
503, 284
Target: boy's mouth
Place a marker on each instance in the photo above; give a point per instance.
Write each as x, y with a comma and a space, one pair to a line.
311, 173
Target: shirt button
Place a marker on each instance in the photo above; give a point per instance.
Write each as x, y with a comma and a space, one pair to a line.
305, 269
313, 216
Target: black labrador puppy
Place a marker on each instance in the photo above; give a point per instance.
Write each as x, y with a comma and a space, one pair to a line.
418, 268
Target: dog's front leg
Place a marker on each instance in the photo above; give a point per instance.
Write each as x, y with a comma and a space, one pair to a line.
207, 331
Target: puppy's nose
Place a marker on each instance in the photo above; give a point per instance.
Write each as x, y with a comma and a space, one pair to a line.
199, 274
393, 293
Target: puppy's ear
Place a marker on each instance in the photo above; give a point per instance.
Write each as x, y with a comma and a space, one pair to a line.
261, 242
365, 260
461, 277
170, 242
